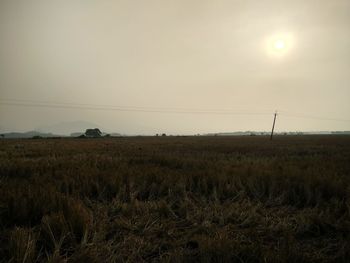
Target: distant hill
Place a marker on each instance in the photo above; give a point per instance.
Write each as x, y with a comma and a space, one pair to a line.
77, 134
278, 133
240, 133
115, 134
29, 134
341, 132
67, 128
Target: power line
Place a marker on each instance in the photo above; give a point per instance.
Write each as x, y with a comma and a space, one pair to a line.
123, 108
172, 110
305, 116
53, 103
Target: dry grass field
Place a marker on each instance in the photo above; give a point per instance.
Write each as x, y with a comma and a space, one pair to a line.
175, 199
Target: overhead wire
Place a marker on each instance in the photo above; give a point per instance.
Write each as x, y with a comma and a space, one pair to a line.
27, 103
306, 116
173, 110
8, 101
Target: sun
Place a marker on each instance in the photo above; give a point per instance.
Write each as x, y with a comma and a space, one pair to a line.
279, 45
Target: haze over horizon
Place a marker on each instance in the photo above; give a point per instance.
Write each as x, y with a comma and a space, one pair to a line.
178, 67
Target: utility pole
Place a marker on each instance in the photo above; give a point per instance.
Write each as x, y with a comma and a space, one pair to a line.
273, 125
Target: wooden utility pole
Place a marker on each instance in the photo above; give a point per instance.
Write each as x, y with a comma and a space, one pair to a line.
273, 125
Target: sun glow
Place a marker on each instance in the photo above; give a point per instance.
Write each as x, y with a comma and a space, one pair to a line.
279, 44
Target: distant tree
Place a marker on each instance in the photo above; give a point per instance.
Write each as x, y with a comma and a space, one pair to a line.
2, 135
94, 133
37, 137
163, 134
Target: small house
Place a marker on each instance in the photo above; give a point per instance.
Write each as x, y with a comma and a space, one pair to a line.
93, 133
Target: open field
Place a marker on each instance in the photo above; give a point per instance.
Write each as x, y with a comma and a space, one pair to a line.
175, 199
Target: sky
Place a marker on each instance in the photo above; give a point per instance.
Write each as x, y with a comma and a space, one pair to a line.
186, 66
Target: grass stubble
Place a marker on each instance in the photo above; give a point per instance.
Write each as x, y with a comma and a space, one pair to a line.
175, 199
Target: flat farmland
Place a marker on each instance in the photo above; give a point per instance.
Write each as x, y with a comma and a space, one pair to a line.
175, 199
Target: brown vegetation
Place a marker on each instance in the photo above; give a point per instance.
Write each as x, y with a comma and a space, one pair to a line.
175, 199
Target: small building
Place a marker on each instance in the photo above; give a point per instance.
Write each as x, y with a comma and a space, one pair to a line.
93, 133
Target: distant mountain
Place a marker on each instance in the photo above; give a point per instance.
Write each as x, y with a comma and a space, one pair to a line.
115, 134
239, 133
67, 128
278, 133
77, 134
30, 134
341, 132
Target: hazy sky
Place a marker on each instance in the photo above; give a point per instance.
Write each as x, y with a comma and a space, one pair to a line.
235, 55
